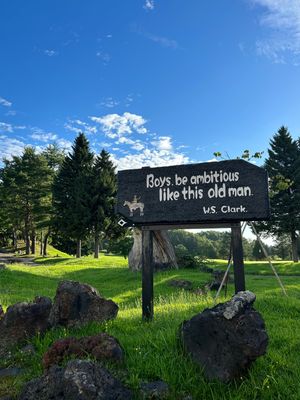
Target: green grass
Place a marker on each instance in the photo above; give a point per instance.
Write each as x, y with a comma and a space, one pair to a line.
262, 267
152, 349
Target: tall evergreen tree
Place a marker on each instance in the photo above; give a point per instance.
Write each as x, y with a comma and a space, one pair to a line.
26, 186
104, 189
283, 166
54, 157
72, 190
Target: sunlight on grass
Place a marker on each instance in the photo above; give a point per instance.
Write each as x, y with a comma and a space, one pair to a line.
152, 349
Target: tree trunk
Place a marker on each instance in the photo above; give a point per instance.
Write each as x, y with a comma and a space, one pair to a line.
96, 251
163, 251
27, 243
294, 240
15, 242
45, 244
78, 249
41, 244
33, 243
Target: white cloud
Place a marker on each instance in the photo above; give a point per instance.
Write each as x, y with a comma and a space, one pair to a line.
149, 5
50, 53
115, 125
5, 103
151, 158
10, 147
282, 20
64, 144
79, 126
4, 127
138, 146
44, 137
163, 143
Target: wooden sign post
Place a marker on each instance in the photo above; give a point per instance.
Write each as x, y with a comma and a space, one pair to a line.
238, 258
216, 194
147, 274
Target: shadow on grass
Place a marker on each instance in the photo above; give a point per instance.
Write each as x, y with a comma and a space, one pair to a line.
117, 283
51, 261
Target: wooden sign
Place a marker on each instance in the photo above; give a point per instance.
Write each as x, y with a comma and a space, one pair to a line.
224, 191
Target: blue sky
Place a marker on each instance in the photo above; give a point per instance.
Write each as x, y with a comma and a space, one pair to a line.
154, 82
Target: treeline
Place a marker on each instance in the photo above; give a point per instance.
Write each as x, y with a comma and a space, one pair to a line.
216, 245
69, 198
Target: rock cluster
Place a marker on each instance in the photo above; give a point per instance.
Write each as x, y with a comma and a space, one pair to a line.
101, 347
227, 338
156, 390
80, 379
23, 321
76, 304
181, 284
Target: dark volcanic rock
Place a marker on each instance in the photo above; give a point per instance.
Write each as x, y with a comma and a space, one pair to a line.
80, 380
157, 390
217, 276
227, 338
181, 284
28, 350
101, 346
10, 372
76, 304
23, 321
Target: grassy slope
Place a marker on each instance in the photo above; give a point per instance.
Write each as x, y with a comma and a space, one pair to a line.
152, 349
263, 267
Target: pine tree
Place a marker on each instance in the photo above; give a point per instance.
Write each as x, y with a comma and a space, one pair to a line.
104, 189
283, 166
26, 184
72, 190
54, 157
257, 252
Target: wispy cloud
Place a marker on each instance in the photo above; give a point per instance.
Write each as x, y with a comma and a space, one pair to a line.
149, 5
5, 103
103, 56
163, 41
115, 125
44, 136
281, 20
10, 113
50, 53
109, 102
4, 127
77, 126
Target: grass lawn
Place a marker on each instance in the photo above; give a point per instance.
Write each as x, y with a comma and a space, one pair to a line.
152, 350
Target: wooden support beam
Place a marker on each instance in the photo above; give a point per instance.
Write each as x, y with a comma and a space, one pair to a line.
147, 275
238, 258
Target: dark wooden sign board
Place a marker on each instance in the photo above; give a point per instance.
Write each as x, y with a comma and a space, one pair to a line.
215, 194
